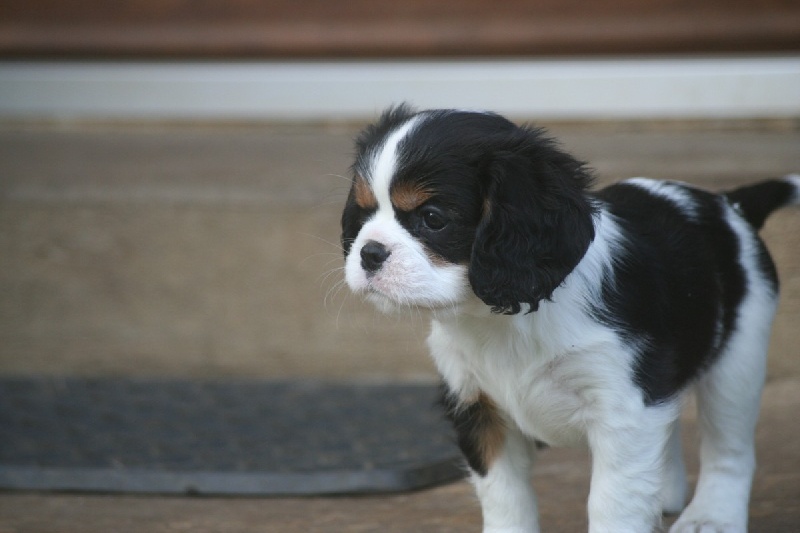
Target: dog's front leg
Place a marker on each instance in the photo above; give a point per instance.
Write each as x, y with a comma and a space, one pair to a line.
499, 458
626, 488
505, 491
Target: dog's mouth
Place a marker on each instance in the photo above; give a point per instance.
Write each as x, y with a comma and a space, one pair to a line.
387, 295
393, 299
383, 302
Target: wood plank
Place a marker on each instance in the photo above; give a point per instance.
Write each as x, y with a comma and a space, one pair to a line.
385, 28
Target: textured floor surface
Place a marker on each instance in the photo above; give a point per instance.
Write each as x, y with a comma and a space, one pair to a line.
231, 437
561, 479
210, 253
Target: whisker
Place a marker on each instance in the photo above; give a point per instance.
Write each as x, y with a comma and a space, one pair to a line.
336, 245
337, 258
325, 276
347, 294
332, 257
346, 178
333, 292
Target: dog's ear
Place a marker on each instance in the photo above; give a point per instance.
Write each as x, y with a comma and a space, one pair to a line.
536, 226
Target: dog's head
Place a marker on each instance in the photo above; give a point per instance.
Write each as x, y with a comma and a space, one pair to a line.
446, 202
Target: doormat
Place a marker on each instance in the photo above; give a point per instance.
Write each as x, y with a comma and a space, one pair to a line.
222, 437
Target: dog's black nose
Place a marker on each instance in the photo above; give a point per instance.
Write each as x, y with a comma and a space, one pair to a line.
373, 254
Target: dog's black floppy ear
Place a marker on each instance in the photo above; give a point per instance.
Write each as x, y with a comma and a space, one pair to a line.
536, 226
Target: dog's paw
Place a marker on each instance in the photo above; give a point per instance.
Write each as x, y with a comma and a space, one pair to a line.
705, 526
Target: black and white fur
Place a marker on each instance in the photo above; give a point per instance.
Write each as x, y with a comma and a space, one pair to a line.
565, 316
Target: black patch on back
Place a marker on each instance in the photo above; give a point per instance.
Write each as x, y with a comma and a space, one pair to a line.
676, 288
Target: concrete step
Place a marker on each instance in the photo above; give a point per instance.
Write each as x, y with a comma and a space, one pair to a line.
206, 251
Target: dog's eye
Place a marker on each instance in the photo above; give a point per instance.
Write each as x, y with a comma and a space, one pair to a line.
433, 219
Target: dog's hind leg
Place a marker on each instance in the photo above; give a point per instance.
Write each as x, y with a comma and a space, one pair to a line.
728, 400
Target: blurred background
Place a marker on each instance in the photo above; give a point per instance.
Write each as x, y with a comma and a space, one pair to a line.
172, 172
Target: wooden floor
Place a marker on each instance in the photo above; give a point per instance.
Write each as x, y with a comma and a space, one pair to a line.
141, 251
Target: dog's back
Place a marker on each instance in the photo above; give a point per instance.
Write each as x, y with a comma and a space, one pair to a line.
687, 263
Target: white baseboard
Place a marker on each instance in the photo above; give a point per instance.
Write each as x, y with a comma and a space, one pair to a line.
572, 89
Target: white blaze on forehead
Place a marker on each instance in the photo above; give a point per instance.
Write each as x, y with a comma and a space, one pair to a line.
384, 163
407, 277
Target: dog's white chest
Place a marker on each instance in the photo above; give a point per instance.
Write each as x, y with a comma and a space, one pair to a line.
543, 401
548, 389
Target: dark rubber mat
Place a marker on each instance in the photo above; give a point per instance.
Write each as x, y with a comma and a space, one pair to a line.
242, 437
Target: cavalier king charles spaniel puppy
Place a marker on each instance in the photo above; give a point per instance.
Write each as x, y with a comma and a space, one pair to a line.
564, 316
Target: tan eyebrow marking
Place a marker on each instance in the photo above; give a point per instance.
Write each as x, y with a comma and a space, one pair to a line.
408, 196
365, 198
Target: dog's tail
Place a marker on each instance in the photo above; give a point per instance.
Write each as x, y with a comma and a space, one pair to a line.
756, 202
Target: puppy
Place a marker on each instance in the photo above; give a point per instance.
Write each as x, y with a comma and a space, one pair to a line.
564, 316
